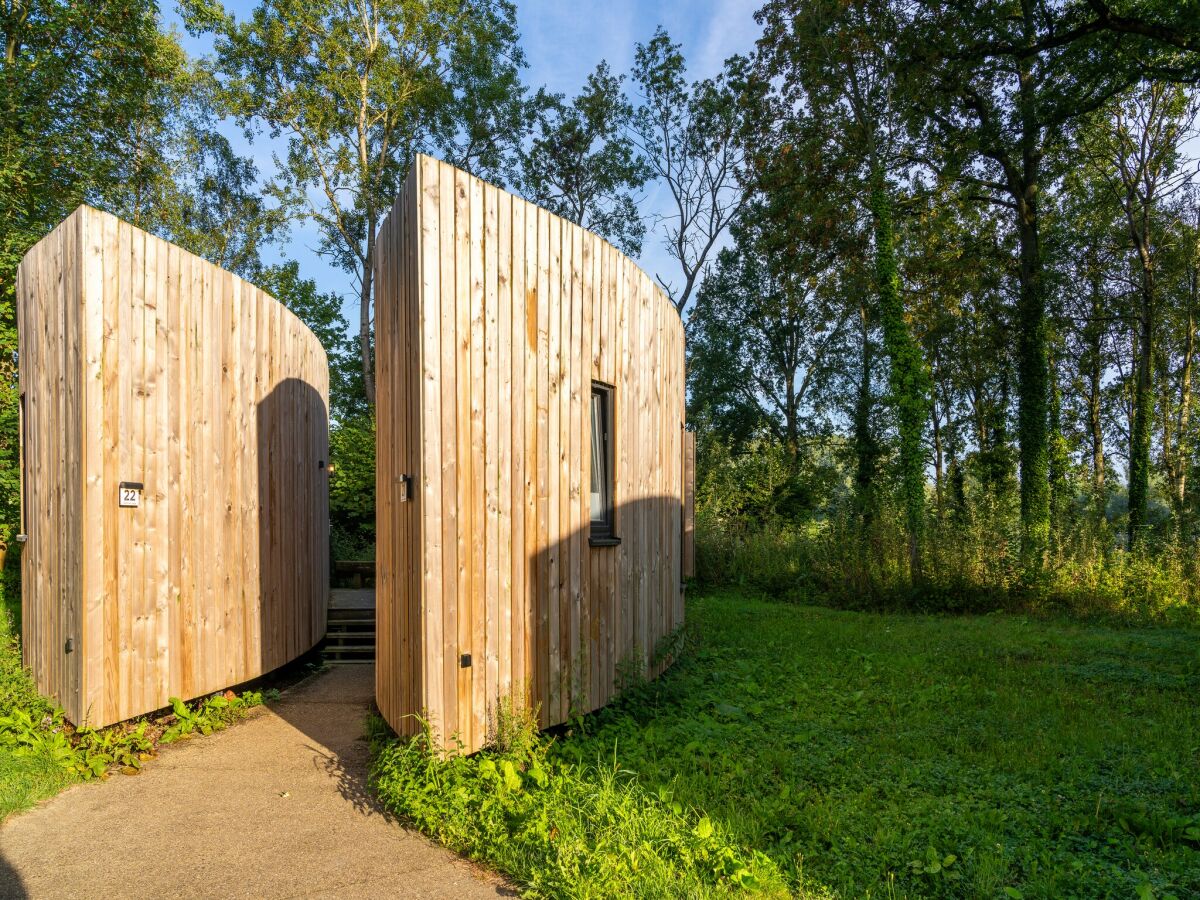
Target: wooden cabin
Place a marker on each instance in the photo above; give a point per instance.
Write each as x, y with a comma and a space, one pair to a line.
175, 496
531, 485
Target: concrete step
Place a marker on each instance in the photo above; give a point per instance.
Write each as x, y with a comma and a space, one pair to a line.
349, 637
351, 615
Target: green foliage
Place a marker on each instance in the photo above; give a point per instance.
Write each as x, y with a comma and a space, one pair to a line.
564, 826
208, 715
890, 755
29, 768
41, 753
88, 753
765, 336
76, 82
971, 563
322, 312
356, 92
908, 374
352, 487
581, 163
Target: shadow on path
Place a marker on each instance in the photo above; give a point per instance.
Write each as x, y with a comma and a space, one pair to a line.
276, 806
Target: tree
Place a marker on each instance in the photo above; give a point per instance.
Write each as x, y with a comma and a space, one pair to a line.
357, 88
75, 80
1176, 360
765, 333
321, 312
835, 59
183, 181
1089, 307
992, 98
1135, 151
582, 164
688, 136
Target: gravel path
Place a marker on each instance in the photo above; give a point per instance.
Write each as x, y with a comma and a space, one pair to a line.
276, 806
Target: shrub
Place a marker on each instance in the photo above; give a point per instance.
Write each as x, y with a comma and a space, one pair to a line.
970, 565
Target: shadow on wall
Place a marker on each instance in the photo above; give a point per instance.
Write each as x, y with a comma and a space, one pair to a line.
606, 610
293, 509
565, 622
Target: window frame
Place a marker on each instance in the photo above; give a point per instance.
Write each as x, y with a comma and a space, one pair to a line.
602, 531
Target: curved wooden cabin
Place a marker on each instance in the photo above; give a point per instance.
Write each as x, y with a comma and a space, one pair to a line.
530, 461
141, 364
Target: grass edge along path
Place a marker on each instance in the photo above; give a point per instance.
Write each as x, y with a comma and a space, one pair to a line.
42, 754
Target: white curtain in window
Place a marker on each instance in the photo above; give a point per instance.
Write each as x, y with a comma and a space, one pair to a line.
598, 458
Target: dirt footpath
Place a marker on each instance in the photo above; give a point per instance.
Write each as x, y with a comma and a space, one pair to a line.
276, 806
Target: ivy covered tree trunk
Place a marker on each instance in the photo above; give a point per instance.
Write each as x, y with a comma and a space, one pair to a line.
1093, 337
1033, 386
1143, 412
908, 378
866, 447
1060, 459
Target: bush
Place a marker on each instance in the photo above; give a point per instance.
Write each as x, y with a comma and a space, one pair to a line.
970, 565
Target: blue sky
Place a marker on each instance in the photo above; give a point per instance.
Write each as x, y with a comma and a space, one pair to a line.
562, 42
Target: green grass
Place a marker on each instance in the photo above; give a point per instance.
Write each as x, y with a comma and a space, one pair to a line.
560, 828
876, 755
26, 777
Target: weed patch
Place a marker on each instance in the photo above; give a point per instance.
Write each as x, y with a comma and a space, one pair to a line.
565, 828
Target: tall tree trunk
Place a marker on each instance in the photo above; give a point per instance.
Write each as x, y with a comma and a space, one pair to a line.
1183, 440
1176, 419
1032, 367
1143, 405
1059, 459
366, 355
1032, 386
866, 448
1094, 336
908, 378
935, 419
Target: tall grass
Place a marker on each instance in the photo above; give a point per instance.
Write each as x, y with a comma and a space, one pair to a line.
970, 564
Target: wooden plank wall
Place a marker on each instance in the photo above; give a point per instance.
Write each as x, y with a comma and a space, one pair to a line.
399, 653
50, 374
689, 504
508, 314
213, 396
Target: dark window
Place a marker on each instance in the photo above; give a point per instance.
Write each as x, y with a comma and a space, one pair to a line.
602, 475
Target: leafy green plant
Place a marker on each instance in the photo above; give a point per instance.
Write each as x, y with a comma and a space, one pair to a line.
934, 864
208, 715
561, 828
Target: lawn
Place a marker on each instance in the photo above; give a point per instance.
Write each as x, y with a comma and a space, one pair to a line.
864, 755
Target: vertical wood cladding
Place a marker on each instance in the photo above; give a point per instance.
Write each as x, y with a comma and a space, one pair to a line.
142, 363
494, 318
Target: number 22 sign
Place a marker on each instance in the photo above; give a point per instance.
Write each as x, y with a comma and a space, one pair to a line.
129, 494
